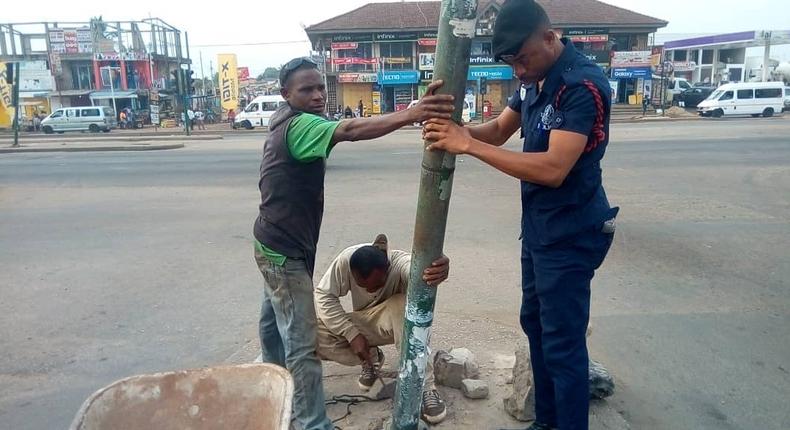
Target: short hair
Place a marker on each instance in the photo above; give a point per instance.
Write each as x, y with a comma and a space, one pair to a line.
292, 66
515, 22
368, 258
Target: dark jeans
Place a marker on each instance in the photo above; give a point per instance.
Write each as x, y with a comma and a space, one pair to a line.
555, 310
289, 336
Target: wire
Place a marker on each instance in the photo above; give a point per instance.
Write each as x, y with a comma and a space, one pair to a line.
350, 400
285, 42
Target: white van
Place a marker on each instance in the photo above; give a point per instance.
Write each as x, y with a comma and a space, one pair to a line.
744, 98
258, 112
83, 118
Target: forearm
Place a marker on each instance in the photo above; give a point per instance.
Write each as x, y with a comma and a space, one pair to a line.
488, 132
371, 128
331, 312
535, 167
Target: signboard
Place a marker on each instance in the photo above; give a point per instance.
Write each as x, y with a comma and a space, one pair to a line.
125, 56
34, 76
427, 42
244, 73
426, 75
684, 66
481, 59
427, 60
587, 34
597, 57
630, 73
70, 40
494, 73
631, 59
57, 65
614, 84
357, 77
396, 60
354, 60
366, 37
344, 45
376, 102
228, 81
6, 99
154, 111
398, 77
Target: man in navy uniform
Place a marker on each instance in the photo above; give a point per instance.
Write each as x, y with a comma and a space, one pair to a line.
562, 109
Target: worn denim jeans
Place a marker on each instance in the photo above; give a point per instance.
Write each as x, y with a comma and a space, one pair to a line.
289, 336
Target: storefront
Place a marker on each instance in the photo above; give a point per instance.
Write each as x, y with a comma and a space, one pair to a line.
499, 85
354, 87
630, 70
398, 89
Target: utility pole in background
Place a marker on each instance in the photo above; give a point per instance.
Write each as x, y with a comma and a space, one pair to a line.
456, 29
15, 100
187, 86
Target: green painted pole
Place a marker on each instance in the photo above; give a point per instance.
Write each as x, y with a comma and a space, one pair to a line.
456, 29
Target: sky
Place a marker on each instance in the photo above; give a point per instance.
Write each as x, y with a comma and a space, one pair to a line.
268, 33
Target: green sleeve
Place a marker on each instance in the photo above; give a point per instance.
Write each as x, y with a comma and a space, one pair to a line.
309, 137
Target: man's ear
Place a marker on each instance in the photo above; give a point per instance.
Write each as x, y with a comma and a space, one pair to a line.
284, 92
381, 242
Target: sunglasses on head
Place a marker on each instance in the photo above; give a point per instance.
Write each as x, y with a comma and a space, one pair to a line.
295, 64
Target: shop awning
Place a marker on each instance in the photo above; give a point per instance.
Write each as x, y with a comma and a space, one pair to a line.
32, 94
69, 93
99, 95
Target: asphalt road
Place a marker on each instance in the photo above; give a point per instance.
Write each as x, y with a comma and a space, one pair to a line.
113, 264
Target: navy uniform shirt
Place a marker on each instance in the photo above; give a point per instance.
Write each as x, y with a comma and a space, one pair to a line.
575, 97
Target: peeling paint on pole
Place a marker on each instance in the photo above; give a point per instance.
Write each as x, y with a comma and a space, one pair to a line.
456, 29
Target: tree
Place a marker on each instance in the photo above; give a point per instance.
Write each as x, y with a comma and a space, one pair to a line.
269, 73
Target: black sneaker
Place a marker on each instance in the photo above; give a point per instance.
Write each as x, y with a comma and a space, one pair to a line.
370, 373
433, 407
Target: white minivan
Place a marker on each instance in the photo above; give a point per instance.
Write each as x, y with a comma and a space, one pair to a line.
83, 118
744, 98
258, 112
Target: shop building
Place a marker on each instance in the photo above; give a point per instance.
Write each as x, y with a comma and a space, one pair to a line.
383, 53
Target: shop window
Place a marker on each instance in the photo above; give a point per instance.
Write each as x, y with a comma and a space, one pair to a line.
364, 50
397, 55
680, 55
82, 76
694, 56
480, 47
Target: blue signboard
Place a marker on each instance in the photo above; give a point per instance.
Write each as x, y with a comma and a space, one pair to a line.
492, 73
399, 77
631, 73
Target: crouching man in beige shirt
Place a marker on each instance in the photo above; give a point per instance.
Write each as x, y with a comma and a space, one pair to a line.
377, 279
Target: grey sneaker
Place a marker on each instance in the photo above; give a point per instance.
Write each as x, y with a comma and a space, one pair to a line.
433, 407
370, 373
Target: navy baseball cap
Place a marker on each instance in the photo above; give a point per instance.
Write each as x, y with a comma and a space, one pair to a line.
518, 20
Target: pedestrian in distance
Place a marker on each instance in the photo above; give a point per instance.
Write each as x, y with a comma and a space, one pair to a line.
232, 119
567, 225
287, 228
200, 119
191, 116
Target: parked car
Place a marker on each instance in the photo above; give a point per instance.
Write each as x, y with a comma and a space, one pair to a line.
745, 98
85, 118
258, 112
787, 100
677, 86
692, 96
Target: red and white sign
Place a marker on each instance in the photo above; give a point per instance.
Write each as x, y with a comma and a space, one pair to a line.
427, 42
70, 40
244, 73
344, 45
590, 38
354, 60
631, 59
357, 77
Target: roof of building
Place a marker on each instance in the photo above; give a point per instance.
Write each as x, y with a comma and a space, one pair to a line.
425, 15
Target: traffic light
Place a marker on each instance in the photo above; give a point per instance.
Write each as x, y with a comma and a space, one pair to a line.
189, 82
175, 80
483, 86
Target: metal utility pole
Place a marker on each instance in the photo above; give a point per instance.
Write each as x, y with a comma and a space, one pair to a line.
187, 97
456, 29
15, 100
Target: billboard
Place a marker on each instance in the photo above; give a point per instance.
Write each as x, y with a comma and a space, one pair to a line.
631, 59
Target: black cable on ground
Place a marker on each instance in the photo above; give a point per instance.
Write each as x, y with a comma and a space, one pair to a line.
350, 400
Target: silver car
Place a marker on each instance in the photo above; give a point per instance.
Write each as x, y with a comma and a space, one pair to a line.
84, 118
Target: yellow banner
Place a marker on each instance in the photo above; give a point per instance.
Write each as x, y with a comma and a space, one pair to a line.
6, 100
228, 81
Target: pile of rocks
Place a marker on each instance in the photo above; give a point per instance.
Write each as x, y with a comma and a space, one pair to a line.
458, 369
